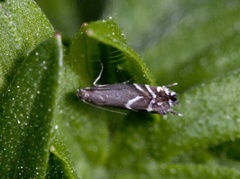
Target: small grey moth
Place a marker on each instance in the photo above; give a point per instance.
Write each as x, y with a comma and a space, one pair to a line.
135, 97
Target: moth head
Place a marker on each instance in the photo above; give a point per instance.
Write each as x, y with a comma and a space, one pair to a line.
172, 99
172, 102
169, 99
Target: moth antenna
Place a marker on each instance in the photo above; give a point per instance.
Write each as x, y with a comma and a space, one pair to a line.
99, 76
170, 85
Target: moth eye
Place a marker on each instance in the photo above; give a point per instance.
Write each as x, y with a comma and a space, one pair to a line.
173, 99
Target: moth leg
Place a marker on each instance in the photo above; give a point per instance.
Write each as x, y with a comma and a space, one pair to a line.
99, 76
175, 113
127, 82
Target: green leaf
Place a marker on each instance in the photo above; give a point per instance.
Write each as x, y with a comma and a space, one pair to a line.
137, 134
164, 170
93, 45
168, 140
103, 42
22, 27
27, 111
218, 119
182, 41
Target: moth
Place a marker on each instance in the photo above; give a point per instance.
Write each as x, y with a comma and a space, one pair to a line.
135, 97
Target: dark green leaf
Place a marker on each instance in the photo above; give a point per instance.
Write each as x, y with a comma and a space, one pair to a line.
27, 112
22, 27
103, 42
